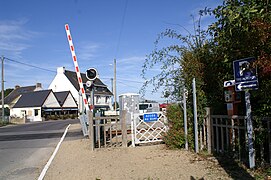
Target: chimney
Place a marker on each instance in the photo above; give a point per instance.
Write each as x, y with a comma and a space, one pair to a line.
17, 86
38, 85
60, 70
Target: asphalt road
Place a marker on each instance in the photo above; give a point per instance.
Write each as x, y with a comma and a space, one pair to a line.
25, 149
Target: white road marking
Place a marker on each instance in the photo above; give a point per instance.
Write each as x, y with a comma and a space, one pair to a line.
46, 167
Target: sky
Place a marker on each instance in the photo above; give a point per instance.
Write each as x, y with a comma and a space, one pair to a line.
34, 43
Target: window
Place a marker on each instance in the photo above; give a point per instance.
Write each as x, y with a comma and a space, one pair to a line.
143, 106
107, 99
98, 99
36, 112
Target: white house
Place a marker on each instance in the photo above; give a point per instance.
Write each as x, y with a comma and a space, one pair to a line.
66, 80
32, 104
11, 99
66, 101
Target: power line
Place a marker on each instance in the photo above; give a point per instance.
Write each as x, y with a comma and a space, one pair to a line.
133, 81
128, 85
140, 82
29, 65
121, 27
133, 86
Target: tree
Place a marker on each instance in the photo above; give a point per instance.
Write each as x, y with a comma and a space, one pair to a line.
193, 56
6, 92
243, 29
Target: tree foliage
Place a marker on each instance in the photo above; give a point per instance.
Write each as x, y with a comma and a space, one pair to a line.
193, 56
6, 92
175, 136
243, 29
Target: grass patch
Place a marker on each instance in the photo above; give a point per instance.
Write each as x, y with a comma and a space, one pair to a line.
263, 173
4, 123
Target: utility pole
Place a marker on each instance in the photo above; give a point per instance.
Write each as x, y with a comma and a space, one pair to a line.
3, 103
112, 84
115, 87
112, 90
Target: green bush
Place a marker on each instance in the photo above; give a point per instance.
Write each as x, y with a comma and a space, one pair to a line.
175, 137
4, 123
53, 117
73, 116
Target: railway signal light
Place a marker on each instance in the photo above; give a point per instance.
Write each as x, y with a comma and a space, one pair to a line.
91, 74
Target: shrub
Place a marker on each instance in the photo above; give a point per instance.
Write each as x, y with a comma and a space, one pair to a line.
175, 136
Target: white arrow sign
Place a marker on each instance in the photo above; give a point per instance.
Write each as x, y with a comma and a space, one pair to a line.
229, 83
246, 85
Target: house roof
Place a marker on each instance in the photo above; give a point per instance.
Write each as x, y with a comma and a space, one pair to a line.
62, 96
102, 88
17, 92
32, 99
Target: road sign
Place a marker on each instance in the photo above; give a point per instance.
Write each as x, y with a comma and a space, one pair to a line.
252, 85
229, 83
245, 75
149, 117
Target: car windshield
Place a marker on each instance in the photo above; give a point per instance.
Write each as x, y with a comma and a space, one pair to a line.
143, 106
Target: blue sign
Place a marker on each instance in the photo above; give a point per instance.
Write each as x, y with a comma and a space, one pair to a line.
150, 117
245, 75
253, 85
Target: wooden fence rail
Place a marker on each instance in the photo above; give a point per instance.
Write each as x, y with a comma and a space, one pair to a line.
228, 134
107, 131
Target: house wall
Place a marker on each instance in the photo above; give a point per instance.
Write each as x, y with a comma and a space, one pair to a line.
11, 104
14, 102
70, 102
51, 102
33, 113
103, 100
62, 83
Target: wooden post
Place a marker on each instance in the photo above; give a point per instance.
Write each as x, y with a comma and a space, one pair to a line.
239, 137
222, 135
200, 137
104, 129
217, 135
227, 136
233, 135
91, 130
269, 141
204, 133
123, 128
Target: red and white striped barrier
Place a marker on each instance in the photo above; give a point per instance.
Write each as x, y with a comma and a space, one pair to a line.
77, 70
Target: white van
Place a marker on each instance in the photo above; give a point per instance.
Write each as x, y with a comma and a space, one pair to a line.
145, 107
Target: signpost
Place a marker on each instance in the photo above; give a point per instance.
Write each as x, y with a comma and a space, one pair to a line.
245, 76
229, 83
150, 117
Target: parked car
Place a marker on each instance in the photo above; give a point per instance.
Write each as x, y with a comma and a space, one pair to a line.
145, 107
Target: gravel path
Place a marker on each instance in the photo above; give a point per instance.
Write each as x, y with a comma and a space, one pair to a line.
75, 160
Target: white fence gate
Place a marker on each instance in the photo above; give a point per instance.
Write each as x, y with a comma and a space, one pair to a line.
148, 127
